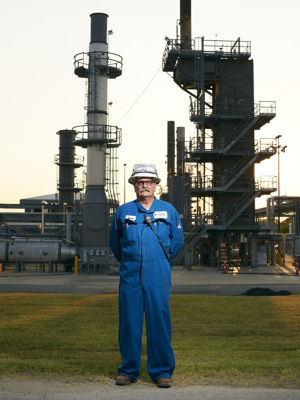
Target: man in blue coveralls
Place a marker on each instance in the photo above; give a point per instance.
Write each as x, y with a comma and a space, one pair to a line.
146, 235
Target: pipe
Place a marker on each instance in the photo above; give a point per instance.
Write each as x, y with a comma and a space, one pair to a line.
180, 150
171, 148
68, 226
185, 24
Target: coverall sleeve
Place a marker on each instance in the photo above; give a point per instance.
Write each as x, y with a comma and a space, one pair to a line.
114, 238
176, 235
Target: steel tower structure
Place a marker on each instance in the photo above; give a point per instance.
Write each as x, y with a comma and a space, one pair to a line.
101, 141
221, 158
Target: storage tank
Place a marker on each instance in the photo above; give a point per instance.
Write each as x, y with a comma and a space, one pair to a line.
35, 251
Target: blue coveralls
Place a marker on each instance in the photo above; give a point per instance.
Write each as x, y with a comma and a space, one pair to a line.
145, 284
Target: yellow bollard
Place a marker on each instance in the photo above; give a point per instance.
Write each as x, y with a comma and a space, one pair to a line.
76, 265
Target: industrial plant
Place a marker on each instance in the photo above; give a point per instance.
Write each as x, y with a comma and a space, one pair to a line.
210, 177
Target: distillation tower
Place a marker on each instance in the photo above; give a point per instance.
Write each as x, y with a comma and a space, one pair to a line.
100, 140
219, 162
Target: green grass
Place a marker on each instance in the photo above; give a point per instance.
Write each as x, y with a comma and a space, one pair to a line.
217, 339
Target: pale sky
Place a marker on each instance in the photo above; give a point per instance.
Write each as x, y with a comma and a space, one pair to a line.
40, 93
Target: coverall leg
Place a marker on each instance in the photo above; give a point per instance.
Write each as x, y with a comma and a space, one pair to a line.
131, 314
157, 289
151, 295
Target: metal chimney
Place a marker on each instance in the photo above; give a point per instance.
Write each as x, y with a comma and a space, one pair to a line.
171, 148
185, 24
180, 150
180, 176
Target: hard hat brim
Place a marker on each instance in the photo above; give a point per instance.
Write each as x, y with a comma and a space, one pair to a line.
132, 179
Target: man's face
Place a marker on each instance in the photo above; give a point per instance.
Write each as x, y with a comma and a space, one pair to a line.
144, 188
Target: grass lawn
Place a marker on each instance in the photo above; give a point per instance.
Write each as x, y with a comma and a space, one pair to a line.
217, 339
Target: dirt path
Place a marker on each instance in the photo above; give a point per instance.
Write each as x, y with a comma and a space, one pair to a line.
19, 389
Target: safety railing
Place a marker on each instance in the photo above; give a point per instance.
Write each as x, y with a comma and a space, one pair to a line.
78, 185
229, 107
265, 145
265, 107
267, 183
218, 221
218, 182
220, 48
112, 135
76, 160
100, 58
206, 219
211, 144
207, 182
223, 47
262, 145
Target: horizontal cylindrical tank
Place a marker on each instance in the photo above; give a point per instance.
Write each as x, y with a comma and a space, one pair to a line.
35, 251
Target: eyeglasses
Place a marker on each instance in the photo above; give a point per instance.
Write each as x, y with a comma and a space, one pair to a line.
144, 183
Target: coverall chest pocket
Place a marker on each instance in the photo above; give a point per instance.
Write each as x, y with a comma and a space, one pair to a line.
162, 228
129, 232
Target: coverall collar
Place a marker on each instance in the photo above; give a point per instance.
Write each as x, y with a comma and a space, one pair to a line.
142, 208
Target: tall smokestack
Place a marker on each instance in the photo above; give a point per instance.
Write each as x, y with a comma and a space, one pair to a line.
95, 210
96, 135
185, 24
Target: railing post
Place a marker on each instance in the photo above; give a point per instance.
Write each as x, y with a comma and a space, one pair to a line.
76, 265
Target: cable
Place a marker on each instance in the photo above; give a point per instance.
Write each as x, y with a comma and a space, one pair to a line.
140, 95
148, 221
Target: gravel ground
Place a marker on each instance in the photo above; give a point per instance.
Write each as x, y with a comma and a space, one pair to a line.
11, 389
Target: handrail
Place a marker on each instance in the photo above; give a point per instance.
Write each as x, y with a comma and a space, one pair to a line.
262, 145
198, 220
240, 108
265, 107
73, 160
212, 46
266, 182
221, 48
109, 133
79, 184
111, 60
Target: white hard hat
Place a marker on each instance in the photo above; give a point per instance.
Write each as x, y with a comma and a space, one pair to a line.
145, 171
